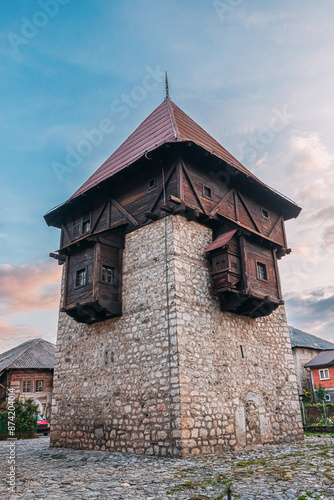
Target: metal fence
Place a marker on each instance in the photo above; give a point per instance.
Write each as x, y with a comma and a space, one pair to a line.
317, 414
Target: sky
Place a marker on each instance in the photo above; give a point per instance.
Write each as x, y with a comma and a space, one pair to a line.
257, 75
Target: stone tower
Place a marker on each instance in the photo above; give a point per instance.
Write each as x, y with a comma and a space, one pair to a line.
172, 336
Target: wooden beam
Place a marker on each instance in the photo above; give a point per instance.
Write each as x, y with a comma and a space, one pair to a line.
99, 217
124, 212
174, 199
151, 215
258, 306
180, 181
274, 226
192, 187
167, 208
278, 282
56, 256
217, 207
248, 212
236, 208
167, 179
243, 263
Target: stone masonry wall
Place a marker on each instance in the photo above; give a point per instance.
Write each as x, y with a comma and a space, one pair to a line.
302, 356
237, 381
112, 380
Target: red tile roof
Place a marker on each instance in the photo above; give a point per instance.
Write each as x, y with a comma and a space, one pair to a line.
167, 123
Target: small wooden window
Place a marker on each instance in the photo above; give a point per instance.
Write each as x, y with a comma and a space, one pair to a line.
324, 374
207, 192
39, 386
81, 278
108, 274
264, 213
26, 385
262, 271
151, 184
86, 226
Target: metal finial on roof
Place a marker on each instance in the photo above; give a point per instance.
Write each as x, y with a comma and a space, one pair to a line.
167, 87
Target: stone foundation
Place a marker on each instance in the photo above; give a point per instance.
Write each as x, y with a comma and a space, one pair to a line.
194, 380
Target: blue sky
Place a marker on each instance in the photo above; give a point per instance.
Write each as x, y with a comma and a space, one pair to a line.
256, 75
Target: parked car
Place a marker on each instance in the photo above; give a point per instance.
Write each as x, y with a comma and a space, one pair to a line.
43, 427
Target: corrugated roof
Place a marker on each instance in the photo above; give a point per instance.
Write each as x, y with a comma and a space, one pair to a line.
33, 354
166, 124
221, 241
325, 358
302, 339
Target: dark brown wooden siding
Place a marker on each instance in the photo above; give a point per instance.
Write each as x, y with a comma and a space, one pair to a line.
258, 254
81, 259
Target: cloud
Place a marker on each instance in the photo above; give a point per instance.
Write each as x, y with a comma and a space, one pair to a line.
313, 311
29, 288
309, 155
13, 335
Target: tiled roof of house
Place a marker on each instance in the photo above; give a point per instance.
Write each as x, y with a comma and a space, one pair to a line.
325, 358
299, 338
33, 354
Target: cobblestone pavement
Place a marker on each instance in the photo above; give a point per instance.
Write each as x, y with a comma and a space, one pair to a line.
299, 471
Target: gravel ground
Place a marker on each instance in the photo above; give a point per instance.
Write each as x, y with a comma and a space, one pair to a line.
299, 471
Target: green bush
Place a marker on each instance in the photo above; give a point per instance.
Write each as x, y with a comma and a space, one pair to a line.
308, 397
24, 415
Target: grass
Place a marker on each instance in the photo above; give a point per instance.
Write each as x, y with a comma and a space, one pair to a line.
53, 457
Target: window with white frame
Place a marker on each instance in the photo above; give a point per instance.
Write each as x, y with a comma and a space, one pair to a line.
327, 397
26, 386
324, 374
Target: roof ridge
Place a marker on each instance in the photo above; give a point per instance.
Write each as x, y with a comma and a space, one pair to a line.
172, 118
33, 342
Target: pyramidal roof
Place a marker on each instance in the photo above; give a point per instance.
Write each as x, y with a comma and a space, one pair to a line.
166, 124
33, 354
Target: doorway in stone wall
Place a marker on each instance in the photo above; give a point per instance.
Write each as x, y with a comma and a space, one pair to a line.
252, 420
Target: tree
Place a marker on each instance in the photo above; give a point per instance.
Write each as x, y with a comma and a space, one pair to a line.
320, 393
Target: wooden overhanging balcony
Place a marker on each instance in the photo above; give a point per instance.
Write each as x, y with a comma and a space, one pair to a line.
235, 280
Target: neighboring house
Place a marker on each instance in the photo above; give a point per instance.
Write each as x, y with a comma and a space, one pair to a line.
322, 372
28, 368
304, 347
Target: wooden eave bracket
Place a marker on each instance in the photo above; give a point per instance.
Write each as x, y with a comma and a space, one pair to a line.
61, 258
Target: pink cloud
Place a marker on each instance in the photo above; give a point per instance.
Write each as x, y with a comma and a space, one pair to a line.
309, 156
29, 288
12, 335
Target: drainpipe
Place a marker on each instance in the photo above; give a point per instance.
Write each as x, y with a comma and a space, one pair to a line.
312, 384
